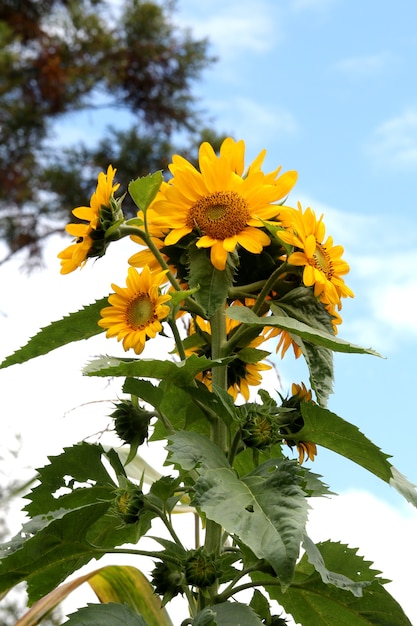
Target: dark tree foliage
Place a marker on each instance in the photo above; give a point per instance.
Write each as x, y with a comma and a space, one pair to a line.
61, 57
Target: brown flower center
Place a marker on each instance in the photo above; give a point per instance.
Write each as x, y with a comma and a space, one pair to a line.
140, 312
220, 215
322, 261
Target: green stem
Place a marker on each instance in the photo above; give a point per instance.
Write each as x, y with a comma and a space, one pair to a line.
268, 286
213, 538
227, 593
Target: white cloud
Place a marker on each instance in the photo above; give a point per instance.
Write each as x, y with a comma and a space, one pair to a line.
233, 27
363, 66
257, 123
394, 142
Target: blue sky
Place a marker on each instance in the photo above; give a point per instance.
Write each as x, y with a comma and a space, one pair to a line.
328, 87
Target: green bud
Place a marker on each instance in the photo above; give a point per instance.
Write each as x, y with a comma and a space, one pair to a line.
168, 580
200, 569
259, 430
129, 503
131, 422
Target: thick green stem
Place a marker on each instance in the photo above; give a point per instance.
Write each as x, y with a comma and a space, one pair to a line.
214, 532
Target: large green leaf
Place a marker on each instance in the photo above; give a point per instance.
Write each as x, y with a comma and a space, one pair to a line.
144, 189
212, 285
293, 326
266, 510
127, 585
331, 431
179, 372
71, 518
227, 614
312, 602
111, 614
73, 327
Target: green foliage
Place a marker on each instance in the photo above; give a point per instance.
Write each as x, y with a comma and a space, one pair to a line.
311, 601
211, 284
111, 614
71, 522
227, 614
265, 499
143, 190
331, 431
73, 327
300, 329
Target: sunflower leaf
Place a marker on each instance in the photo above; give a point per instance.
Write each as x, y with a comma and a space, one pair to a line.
111, 614
227, 614
178, 372
79, 325
71, 521
127, 585
212, 285
332, 432
144, 189
311, 601
293, 326
269, 498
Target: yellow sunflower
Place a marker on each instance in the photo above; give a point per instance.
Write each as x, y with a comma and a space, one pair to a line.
306, 449
322, 261
136, 310
76, 254
220, 204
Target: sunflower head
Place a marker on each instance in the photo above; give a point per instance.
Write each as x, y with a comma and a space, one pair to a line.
136, 311
321, 261
91, 233
220, 205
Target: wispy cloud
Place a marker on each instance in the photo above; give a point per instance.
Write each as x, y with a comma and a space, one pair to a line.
394, 142
254, 121
364, 66
233, 27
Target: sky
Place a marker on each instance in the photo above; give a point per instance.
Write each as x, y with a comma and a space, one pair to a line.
328, 87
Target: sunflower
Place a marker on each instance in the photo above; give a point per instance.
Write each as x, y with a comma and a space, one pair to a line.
88, 235
220, 205
136, 310
306, 449
322, 261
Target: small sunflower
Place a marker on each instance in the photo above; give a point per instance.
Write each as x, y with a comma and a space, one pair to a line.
322, 261
87, 235
136, 310
306, 449
219, 204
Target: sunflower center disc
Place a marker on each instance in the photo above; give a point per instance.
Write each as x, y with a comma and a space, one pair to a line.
322, 260
140, 312
220, 215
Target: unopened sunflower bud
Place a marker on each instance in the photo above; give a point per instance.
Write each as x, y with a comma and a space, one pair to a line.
259, 430
168, 580
131, 422
200, 569
129, 503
